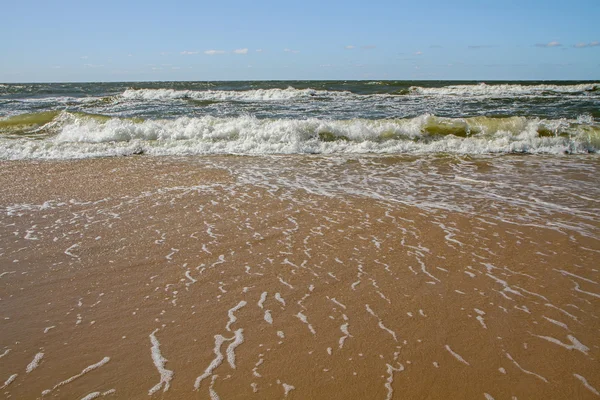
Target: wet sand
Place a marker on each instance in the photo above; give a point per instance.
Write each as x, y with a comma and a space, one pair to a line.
240, 277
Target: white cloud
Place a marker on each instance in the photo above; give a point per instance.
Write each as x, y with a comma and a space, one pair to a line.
93, 66
582, 45
418, 53
188, 53
84, 57
349, 47
259, 50
213, 52
241, 51
551, 44
291, 51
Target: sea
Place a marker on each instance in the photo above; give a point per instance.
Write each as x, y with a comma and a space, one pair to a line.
82, 120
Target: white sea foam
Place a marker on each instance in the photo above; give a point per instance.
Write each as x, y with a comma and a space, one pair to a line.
280, 299
95, 395
586, 384
211, 390
232, 317
390, 379
380, 323
262, 299
275, 94
159, 362
80, 137
83, 372
34, 363
304, 319
524, 370
9, 380
238, 339
287, 389
456, 355
495, 90
268, 317
575, 344
214, 363
344, 329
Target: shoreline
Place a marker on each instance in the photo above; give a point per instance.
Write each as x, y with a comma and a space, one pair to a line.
162, 265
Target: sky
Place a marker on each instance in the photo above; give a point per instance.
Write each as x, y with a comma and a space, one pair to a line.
108, 40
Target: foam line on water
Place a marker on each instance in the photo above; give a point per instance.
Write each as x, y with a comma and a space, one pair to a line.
237, 340
524, 370
268, 317
232, 317
575, 344
214, 363
390, 379
159, 362
280, 299
192, 280
9, 380
95, 395
566, 273
211, 389
262, 299
586, 384
456, 355
287, 388
577, 288
333, 299
34, 363
555, 322
284, 282
83, 372
380, 323
344, 329
304, 319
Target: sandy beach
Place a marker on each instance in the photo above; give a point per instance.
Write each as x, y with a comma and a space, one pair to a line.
310, 278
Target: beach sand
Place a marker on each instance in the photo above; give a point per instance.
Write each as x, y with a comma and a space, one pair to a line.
223, 278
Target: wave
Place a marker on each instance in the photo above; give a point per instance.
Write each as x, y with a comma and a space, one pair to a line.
484, 89
77, 135
289, 93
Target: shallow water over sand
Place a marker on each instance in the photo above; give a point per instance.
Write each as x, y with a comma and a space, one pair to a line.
300, 277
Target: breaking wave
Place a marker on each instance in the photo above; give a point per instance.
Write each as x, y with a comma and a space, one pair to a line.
224, 95
79, 135
485, 90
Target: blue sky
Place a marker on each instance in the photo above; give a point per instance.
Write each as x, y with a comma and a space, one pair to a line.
84, 40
